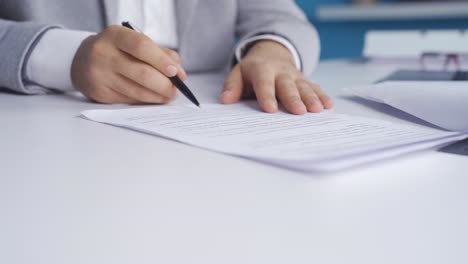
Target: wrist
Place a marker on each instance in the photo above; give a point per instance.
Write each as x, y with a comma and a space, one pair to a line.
80, 63
270, 49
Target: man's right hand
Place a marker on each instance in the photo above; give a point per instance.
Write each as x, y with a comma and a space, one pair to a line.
120, 65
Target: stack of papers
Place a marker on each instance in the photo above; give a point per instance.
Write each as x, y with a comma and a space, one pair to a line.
442, 103
312, 142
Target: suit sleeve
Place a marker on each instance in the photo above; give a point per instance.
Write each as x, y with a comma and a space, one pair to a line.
50, 61
282, 18
17, 40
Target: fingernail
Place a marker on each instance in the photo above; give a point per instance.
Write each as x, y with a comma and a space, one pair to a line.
316, 106
171, 70
328, 103
227, 93
183, 70
272, 104
298, 104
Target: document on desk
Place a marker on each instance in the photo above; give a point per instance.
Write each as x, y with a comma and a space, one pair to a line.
442, 103
325, 141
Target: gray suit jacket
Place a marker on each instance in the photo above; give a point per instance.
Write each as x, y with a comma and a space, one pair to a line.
207, 30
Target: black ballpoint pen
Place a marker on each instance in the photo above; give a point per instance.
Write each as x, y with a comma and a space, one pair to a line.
175, 80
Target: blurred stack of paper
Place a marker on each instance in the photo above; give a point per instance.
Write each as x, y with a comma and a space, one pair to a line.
412, 44
427, 49
444, 104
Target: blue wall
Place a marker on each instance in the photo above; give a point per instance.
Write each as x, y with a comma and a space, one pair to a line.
346, 39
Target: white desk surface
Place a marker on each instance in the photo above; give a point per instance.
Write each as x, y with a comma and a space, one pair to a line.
74, 191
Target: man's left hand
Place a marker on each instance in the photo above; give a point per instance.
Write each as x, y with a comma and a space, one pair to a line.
268, 72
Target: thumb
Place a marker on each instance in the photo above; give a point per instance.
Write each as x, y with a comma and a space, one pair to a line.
233, 87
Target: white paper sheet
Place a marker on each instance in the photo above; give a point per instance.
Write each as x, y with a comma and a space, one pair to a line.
323, 141
444, 104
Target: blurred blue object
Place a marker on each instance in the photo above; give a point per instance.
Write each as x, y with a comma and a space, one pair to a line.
346, 39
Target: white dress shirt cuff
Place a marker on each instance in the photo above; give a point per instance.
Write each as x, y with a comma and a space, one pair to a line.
243, 45
49, 64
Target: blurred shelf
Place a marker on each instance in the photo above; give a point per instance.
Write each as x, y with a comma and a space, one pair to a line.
397, 11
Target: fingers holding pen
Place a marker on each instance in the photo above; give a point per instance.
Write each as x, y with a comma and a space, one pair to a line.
143, 48
146, 76
136, 92
119, 65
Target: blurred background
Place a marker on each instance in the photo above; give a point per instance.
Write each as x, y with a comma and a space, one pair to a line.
342, 24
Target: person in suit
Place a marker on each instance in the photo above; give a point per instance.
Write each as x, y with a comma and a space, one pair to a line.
50, 45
